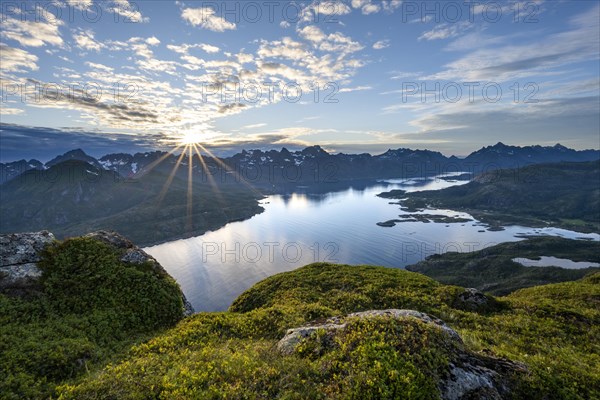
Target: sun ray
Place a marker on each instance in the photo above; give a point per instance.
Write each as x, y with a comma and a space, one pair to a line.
189, 226
211, 180
163, 192
221, 163
155, 163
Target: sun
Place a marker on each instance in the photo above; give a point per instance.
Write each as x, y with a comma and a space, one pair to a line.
190, 138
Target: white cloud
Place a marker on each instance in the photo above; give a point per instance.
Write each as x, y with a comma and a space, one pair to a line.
368, 7
80, 4
32, 33
515, 61
312, 34
85, 40
355, 89
254, 126
16, 60
330, 9
446, 30
153, 41
381, 44
129, 11
334, 42
11, 111
206, 18
371, 9
209, 48
100, 67
284, 24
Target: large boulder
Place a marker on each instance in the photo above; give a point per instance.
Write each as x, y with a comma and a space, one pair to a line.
469, 375
130, 253
19, 254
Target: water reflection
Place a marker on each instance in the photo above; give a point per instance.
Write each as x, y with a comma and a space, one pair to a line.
315, 224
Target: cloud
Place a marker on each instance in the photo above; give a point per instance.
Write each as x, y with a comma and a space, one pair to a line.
326, 10
371, 9
17, 60
446, 30
85, 40
100, 67
32, 33
368, 7
19, 142
513, 61
381, 44
549, 121
11, 111
209, 48
153, 41
254, 126
129, 11
334, 42
80, 4
232, 108
206, 18
355, 89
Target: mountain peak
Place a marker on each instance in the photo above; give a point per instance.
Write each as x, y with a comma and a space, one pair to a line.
315, 150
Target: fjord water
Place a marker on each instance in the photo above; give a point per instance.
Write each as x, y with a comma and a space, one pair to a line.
301, 228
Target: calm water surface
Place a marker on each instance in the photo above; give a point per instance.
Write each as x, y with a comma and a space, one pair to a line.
300, 228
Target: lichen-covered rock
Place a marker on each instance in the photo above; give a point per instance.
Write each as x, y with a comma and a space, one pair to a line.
19, 253
130, 253
468, 375
23, 248
473, 300
293, 337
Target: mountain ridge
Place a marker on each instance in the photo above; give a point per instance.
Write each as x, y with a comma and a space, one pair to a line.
301, 165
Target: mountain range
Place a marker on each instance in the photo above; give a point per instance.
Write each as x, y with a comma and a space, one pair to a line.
313, 164
154, 197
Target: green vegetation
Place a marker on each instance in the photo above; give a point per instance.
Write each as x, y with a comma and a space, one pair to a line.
492, 269
553, 329
565, 195
90, 307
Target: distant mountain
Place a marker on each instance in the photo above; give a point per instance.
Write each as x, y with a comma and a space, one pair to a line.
74, 197
503, 156
13, 169
272, 169
565, 195
78, 155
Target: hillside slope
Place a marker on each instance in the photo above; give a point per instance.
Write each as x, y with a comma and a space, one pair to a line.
565, 195
73, 197
553, 330
493, 270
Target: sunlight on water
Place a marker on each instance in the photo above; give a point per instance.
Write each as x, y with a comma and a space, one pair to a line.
301, 228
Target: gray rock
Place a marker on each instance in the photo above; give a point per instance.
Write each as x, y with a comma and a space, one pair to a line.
130, 253
472, 299
19, 253
474, 376
23, 248
469, 376
112, 238
294, 337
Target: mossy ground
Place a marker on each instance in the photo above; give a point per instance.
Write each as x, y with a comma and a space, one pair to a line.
89, 310
553, 329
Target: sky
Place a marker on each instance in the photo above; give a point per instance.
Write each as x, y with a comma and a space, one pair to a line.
351, 76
